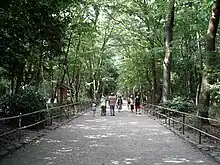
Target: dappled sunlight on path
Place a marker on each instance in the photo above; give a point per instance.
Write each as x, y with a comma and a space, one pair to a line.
123, 139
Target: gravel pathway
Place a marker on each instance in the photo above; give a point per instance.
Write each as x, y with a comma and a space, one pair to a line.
123, 139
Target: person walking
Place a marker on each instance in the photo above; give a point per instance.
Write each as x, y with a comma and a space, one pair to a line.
103, 106
129, 102
93, 108
138, 104
132, 103
112, 102
120, 102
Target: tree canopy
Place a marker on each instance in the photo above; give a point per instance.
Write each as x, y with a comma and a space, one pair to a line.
160, 48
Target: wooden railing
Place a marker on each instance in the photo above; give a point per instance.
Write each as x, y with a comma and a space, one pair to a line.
169, 115
49, 114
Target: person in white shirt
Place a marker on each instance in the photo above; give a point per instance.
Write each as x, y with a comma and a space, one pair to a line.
103, 106
93, 108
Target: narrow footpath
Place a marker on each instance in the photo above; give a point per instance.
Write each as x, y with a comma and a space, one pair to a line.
123, 139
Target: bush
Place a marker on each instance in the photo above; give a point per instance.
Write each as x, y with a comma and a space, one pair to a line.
214, 112
180, 105
25, 101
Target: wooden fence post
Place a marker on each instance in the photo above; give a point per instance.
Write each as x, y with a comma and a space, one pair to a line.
19, 126
169, 117
184, 116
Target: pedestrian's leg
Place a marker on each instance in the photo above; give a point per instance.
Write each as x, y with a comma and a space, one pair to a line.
113, 109
104, 110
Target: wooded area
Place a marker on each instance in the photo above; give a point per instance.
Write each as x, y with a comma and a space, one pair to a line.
166, 50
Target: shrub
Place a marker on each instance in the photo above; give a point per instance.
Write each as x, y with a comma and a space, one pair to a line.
214, 112
25, 101
180, 105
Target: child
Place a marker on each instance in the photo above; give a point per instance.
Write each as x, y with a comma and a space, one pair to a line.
129, 102
132, 103
93, 108
103, 106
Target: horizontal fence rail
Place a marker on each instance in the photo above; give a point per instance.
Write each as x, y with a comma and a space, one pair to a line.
169, 115
49, 114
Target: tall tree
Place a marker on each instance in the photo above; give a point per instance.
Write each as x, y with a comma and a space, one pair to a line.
168, 54
207, 79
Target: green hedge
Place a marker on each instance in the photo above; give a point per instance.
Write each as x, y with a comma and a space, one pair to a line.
180, 105
25, 101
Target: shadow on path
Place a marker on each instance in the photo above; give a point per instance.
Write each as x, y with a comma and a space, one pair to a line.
123, 139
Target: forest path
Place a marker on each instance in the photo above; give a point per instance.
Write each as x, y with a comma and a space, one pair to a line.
123, 139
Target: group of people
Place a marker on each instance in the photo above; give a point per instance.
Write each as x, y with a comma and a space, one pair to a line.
134, 103
113, 102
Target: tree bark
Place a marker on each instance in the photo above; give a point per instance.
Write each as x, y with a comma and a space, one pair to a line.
199, 74
154, 76
66, 59
168, 54
77, 84
38, 75
204, 97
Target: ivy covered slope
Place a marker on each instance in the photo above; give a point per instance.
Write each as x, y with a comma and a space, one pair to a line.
166, 50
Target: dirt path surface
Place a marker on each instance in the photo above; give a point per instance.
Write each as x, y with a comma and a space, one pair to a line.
123, 139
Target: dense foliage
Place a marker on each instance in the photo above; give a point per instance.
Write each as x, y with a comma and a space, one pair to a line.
24, 101
181, 105
97, 47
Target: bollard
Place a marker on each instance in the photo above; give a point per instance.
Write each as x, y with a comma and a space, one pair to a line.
51, 117
165, 116
200, 138
61, 109
38, 125
184, 116
200, 134
173, 120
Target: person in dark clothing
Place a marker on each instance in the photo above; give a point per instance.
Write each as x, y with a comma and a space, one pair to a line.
132, 103
137, 104
119, 103
103, 106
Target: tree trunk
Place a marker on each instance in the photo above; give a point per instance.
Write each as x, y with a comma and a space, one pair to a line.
38, 75
66, 59
20, 77
77, 85
153, 67
12, 82
168, 53
199, 74
204, 97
